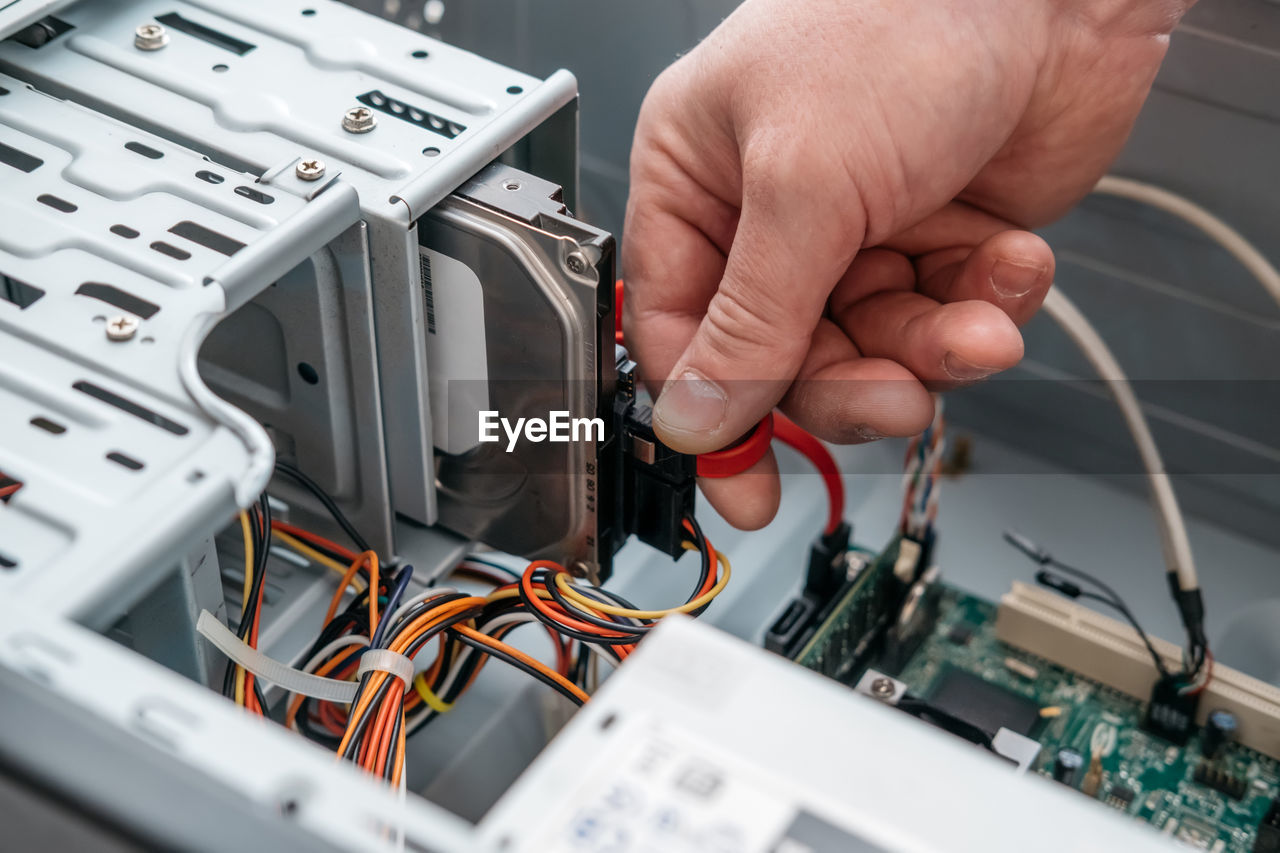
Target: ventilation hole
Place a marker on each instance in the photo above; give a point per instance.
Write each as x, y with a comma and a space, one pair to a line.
18, 292
57, 203
608, 721
207, 237
514, 90
148, 340
20, 160
118, 298
431, 152
308, 12
126, 405
124, 231
100, 318
125, 461
211, 177
220, 67
172, 251
3, 91
254, 195
308, 373
48, 425
195, 477
7, 563
419, 54
145, 150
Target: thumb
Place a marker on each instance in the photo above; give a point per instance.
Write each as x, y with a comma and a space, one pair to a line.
756, 332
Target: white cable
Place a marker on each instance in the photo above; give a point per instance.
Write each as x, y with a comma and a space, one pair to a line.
1173, 530
1193, 214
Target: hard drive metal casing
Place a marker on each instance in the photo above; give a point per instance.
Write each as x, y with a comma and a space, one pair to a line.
547, 283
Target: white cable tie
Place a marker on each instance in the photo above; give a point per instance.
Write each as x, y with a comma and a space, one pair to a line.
385, 660
269, 669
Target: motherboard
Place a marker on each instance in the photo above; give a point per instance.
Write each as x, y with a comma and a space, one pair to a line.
1210, 793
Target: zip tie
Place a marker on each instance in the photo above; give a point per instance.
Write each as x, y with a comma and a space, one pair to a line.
269, 669
385, 660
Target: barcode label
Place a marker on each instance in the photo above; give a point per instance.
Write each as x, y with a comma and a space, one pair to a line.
428, 293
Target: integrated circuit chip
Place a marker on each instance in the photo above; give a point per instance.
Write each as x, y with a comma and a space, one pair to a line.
990, 707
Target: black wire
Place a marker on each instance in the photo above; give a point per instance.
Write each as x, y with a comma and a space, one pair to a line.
1113, 600
520, 665
321, 495
1110, 598
1124, 611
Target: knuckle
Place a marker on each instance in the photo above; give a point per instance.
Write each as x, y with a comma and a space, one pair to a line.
740, 328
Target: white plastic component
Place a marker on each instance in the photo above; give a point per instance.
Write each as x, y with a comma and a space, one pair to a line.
269, 669
384, 660
1111, 653
904, 568
682, 750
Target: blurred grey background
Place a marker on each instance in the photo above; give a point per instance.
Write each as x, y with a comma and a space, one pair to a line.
1192, 329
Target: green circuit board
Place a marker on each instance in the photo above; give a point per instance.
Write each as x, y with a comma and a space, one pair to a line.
1092, 719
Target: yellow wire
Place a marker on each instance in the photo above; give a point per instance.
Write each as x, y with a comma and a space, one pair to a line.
317, 557
244, 599
567, 589
433, 701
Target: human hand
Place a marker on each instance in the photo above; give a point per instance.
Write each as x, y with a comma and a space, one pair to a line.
827, 199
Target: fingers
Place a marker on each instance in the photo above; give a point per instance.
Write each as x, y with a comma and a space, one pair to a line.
1012, 270
844, 398
748, 500
755, 334
945, 346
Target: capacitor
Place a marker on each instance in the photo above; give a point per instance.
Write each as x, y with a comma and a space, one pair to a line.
1066, 766
1218, 731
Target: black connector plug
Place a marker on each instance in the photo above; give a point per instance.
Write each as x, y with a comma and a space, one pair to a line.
828, 561
1171, 714
654, 486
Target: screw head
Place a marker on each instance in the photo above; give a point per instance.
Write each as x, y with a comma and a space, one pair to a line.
309, 169
359, 120
122, 327
577, 263
150, 37
882, 688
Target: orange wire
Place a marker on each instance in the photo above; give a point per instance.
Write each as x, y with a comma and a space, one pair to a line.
356, 565
486, 640
404, 639
373, 590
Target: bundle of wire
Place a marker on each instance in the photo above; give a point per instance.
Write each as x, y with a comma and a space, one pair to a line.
255, 525
584, 623
923, 467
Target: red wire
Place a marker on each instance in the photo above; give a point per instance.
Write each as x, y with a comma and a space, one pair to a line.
617, 311
314, 539
786, 431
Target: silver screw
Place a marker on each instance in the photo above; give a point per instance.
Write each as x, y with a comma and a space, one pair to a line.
122, 327
310, 169
577, 263
150, 37
882, 688
359, 120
